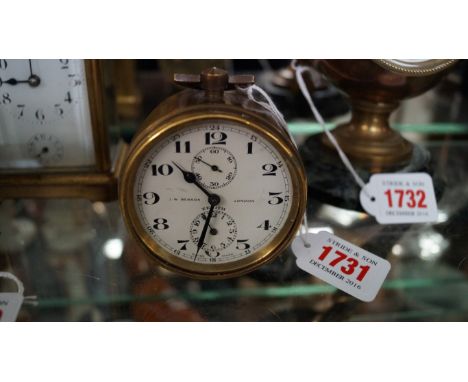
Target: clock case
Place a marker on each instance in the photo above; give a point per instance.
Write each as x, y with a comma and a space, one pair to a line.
194, 106
98, 182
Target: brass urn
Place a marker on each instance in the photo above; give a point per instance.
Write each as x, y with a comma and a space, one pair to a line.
375, 89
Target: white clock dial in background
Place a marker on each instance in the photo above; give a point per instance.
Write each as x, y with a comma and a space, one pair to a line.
46, 149
47, 98
244, 170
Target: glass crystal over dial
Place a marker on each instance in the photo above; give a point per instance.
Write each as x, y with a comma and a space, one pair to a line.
213, 192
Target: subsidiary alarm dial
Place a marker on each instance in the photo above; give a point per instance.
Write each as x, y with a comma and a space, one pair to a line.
220, 234
45, 149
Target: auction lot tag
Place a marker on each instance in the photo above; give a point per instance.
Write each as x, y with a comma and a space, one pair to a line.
341, 264
400, 198
10, 302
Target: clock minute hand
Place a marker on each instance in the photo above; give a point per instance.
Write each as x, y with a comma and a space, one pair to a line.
201, 240
33, 79
213, 231
30, 68
213, 203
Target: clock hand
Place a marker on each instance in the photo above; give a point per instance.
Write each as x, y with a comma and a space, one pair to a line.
44, 150
213, 204
30, 68
14, 81
213, 199
213, 231
190, 177
213, 167
33, 81
201, 240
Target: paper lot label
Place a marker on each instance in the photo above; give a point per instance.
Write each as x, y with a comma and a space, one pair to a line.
400, 198
341, 264
10, 304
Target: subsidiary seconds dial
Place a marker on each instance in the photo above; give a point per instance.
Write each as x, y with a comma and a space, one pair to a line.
45, 148
214, 167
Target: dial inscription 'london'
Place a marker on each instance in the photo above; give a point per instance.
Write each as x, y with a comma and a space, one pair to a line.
213, 192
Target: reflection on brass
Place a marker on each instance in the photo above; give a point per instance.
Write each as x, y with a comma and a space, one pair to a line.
128, 95
375, 89
193, 106
168, 67
95, 182
214, 82
285, 78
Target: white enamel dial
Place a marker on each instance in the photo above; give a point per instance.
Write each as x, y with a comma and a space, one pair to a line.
254, 202
48, 98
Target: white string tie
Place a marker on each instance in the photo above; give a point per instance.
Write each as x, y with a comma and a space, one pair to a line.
299, 69
269, 105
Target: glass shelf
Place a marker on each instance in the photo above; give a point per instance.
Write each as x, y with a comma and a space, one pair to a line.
76, 259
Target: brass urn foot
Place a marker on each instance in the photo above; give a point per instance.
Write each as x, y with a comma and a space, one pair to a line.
369, 141
331, 182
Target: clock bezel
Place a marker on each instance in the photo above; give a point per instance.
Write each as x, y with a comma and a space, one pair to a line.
416, 69
157, 131
97, 182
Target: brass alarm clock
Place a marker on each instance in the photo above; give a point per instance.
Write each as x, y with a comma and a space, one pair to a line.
213, 186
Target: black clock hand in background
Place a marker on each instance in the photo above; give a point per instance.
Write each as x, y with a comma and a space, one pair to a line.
33, 80
13, 81
30, 68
